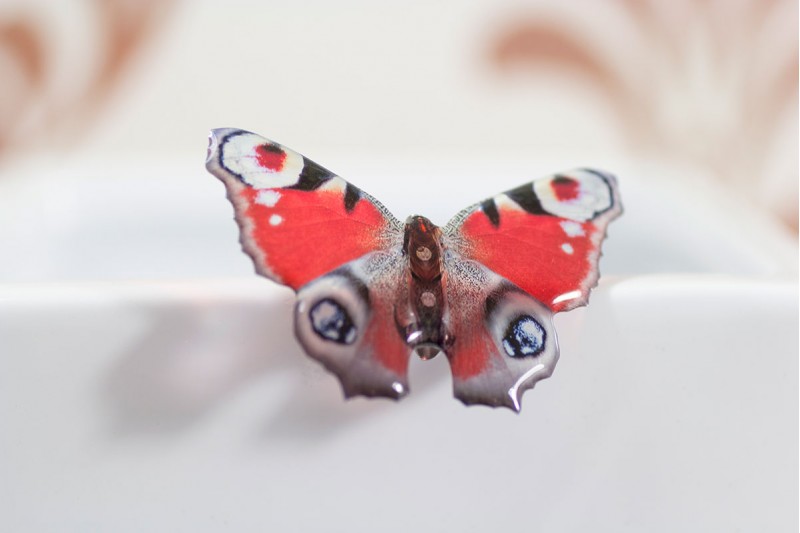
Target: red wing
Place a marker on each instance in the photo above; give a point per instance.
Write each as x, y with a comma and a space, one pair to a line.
544, 236
504, 340
297, 219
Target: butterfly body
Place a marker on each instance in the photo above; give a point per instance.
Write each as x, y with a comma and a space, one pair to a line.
371, 291
420, 316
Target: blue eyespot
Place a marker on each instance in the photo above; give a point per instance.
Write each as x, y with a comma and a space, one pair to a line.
524, 337
332, 322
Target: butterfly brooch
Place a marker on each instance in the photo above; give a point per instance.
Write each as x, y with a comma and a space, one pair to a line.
372, 290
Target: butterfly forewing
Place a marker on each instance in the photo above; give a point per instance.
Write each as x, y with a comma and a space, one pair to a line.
298, 220
543, 236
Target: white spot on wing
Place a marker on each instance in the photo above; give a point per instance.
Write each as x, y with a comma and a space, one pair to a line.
567, 247
274, 220
268, 198
502, 201
335, 184
572, 228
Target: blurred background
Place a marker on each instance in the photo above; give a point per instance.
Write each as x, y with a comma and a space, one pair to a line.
149, 380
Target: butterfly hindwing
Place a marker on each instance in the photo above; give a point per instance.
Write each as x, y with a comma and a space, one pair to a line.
504, 339
298, 220
544, 236
345, 320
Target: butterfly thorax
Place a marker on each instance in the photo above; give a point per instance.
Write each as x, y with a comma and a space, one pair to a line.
420, 317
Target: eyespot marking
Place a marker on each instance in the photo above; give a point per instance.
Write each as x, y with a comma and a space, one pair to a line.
270, 156
257, 162
579, 197
332, 322
524, 337
565, 188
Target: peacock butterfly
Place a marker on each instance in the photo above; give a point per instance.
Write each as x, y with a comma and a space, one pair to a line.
371, 290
